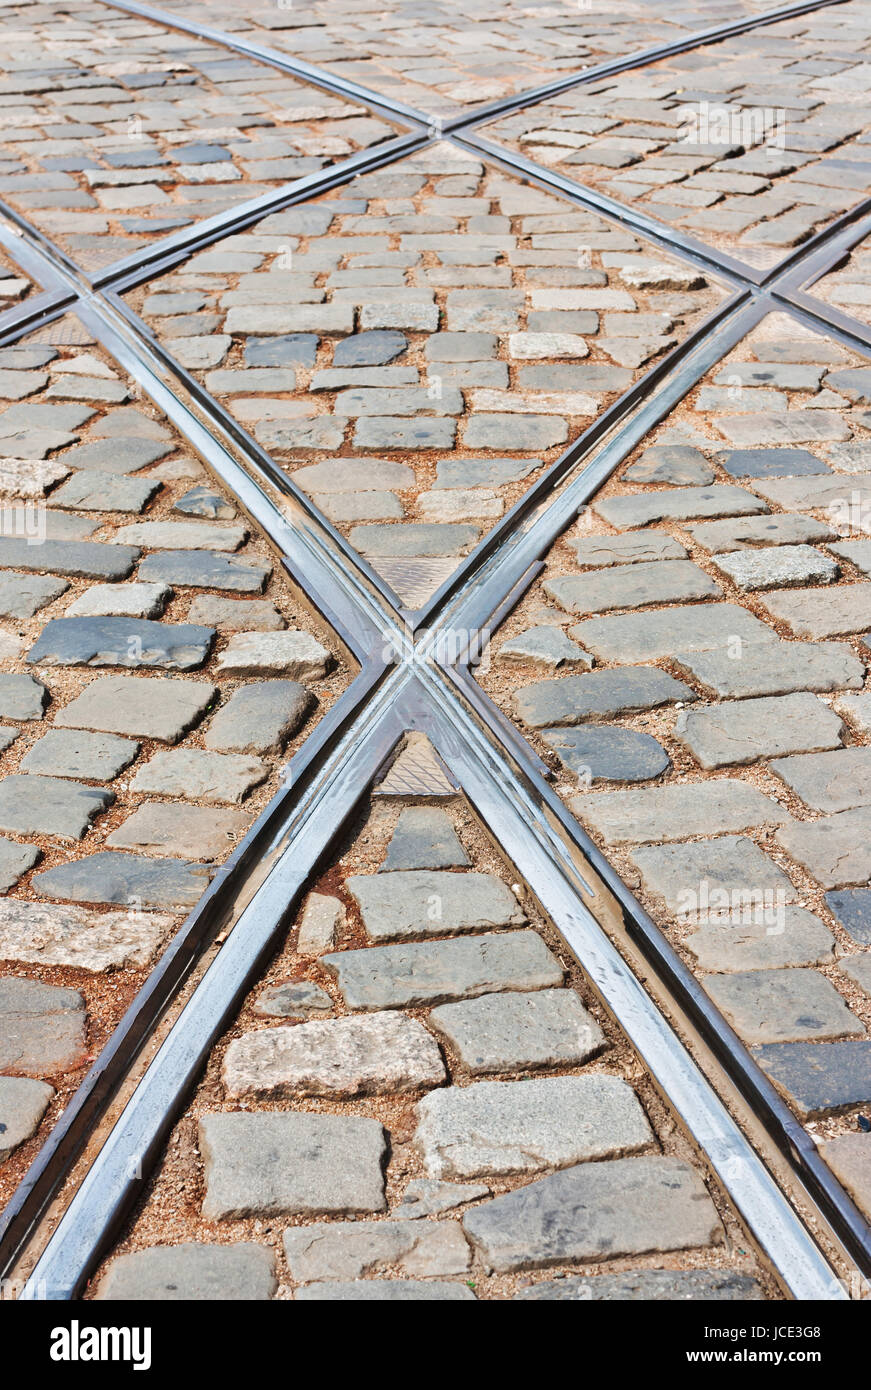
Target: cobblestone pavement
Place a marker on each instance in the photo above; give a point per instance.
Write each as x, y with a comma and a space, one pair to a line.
434, 58
114, 131
717, 747
422, 1095
156, 672
749, 145
415, 348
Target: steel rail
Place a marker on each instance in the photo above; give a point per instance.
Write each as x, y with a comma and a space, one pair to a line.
415, 699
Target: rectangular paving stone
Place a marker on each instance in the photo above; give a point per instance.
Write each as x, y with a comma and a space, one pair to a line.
629, 586
729, 873
836, 850
424, 838
378, 1054
131, 879
197, 832
74, 753
143, 707
181, 535
383, 1291
819, 1078
519, 1032
292, 653
205, 569
129, 600
104, 492
647, 1285
783, 427
834, 493
235, 615
496, 1128
42, 1028
782, 528
598, 694
761, 940
795, 1005
260, 717
414, 538
200, 775
852, 909
837, 781
420, 902
22, 595
32, 805
627, 1206
389, 977
282, 1164
121, 642
679, 504
242, 1271
742, 731
774, 668
677, 812
78, 559
770, 463
50, 934
849, 1157
21, 696
814, 613
23, 1102
775, 566
633, 637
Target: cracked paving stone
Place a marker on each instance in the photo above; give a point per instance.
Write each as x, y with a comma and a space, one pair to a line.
730, 942
680, 504
424, 1197
793, 1005
235, 615
22, 595
241, 1272
259, 718
205, 569
714, 875
598, 551
852, 908
15, 860
143, 707
678, 812
383, 1291
671, 463
814, 613
296, 999
291, 1164
496, 1128
545, 646
629, 586
21, 697
829, 782
74, 753
742, 731
775, 669
787, 565
355, 1249
121, 642
197, 832
113, 877
32, 805
648, 1285
131, 600
432, 903
477, 473
819, 1077
835, 850
78, 559
377, 1054
439, 972
518, 1032
43, 1028
23, 1102
200, 775
599, 694
292, 653
424, 838
626, 1206
319, 925
608, 753
786, 528
648, 636
49, 934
